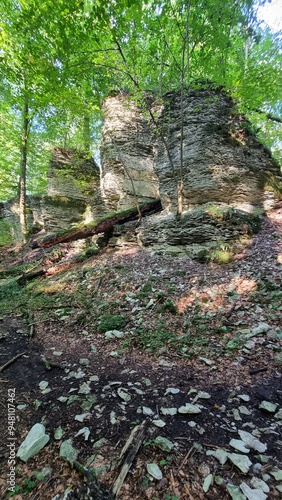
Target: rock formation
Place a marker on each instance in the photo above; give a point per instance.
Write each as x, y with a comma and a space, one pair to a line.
228, 177
127, 155
225, 169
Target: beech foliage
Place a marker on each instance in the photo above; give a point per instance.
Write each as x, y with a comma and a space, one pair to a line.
59, 60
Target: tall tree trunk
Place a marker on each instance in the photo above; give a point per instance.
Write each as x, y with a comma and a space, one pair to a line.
185, 68
25, 132
86, 132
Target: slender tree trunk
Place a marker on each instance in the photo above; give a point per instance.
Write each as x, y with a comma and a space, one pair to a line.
185, 66
86, 132
23, 165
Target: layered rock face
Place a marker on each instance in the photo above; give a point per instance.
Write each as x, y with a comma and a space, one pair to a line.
127, 155
73, 196
224, 168
222, 162
73, 191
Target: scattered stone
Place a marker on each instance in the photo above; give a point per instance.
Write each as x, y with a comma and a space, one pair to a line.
67, 451
147, 411
207, 482
278, 415
154, 471
168, 411
84, 388
84, 432
113, 418
244, 397
244, 411
260, 484
172, 390
163, 443
206, 360
256, 494
189, 408
236, 414
84, 362
58, 433
111, 334
234, 492
82, 417
159, 423
267, 406
261, 328
241, 461
100, 443
123, 394
252, 442
33, 443
219, 454
239, 445
276, 474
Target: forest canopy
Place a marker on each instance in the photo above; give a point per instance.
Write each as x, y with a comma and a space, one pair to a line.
59, 60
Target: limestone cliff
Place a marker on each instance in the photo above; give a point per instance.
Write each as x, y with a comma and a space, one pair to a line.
127, 155
225, 169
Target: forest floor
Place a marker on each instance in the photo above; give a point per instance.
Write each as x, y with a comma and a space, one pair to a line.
129, 338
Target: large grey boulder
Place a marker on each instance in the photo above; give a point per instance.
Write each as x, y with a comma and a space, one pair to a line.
33, 443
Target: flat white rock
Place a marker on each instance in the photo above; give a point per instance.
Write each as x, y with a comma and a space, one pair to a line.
189, 408
168, 411
33, 443
252, 442
234, 492
251, 494
154, 471
267, 406
239, 445
241, 461
159, 423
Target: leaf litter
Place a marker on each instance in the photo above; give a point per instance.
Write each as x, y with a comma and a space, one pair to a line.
199, 359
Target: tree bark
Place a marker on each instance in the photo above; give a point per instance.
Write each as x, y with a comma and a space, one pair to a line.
103, 226
25, 131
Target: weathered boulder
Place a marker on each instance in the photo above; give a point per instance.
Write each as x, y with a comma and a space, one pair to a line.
127, 155
197, 231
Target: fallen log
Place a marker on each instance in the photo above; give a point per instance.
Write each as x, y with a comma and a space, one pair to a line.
103, 226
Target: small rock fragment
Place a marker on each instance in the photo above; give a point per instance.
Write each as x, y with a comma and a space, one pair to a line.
147, 411
252, 494
84, 432
154, 471
234, 492
239, 445
163, 443
276, 474
219, 454
82, 417
168, 411
260, 484
244, 397
267, 406
252, 442
207, 482
123, 394
67, 451
172, 390
189, 408
241, 461
58, 433
159, 423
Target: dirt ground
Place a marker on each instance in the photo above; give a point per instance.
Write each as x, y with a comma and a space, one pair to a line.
102, 383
